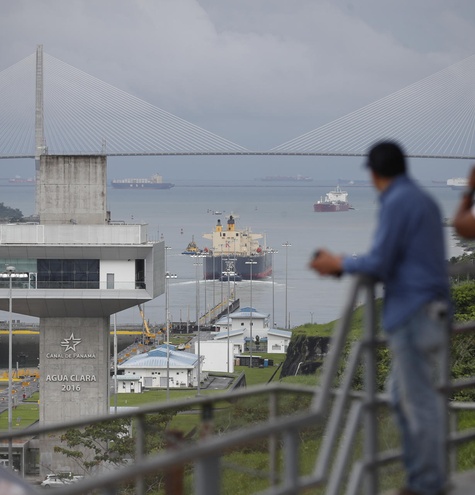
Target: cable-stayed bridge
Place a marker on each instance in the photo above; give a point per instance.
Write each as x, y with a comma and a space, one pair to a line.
433, 117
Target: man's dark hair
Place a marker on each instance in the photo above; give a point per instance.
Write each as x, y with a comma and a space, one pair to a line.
387, 159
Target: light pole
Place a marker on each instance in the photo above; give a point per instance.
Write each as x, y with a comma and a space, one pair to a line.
229, 329
235, 268
9, 271
214, 280
286, 245
273, 251
167, 321
115, 364
197, 264
228, 270
250, 263
204, 286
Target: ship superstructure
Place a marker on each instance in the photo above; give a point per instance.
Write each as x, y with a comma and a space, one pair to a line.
457, 182
236, 250
336, 200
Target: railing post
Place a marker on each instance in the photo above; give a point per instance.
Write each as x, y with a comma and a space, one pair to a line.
139, 451
272, 440
445, 387
207, 469
291, 460
452, 451
370, 371
174, 475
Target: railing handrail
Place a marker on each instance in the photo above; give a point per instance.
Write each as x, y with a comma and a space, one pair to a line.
206, 454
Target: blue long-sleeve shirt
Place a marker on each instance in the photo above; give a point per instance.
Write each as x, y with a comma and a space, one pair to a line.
408, 252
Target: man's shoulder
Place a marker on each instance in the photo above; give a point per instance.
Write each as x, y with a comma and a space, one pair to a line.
409, 197
406, 189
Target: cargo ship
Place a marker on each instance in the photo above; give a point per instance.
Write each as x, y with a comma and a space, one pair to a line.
154, 182
287, 178
21, 181
336, 200
457, 183
238, 251
354, 183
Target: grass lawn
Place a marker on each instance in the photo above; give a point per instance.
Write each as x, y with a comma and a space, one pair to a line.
258, 376
27, 413
23, 415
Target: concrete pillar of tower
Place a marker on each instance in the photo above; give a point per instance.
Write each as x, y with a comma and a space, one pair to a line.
72, 189
74, 351
74, 369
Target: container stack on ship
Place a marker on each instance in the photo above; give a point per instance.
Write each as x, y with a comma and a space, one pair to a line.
154, 182
239, 246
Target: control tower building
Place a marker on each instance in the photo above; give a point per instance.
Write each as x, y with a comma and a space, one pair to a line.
82, 268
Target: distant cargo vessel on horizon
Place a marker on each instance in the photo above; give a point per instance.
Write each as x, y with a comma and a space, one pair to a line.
457, 182
21, 181
354, 182
154, 182
287, 178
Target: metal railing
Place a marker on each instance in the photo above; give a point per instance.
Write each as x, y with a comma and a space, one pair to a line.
341, 410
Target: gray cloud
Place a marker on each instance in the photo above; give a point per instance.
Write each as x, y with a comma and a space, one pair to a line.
258, 72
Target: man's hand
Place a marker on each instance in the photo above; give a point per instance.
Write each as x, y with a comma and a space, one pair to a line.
326, 263
471, 178
464, 220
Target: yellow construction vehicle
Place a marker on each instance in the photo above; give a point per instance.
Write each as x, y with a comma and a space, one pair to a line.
148, 335
20, 375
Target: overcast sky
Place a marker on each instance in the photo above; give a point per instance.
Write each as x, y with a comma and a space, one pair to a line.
256, 72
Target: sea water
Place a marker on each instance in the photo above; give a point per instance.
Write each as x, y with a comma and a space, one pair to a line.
282, 213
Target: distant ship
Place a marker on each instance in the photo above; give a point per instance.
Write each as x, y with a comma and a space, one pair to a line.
354, 183
21, 181
154, 182
336, 200
236, 251
192, 248
457, 182
287, 178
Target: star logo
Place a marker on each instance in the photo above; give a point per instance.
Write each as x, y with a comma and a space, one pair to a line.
70, 344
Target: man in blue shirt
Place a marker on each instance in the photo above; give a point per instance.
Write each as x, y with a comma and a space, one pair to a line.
408, 257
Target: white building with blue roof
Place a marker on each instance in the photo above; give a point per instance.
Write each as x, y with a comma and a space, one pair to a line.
151, 368
241, 320
236, 329
278, 341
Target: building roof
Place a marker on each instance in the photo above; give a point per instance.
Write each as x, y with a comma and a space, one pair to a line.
157, 358
243, 313
122, 409
232, 333
224, 320
128, 377
246, 313
279, 333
